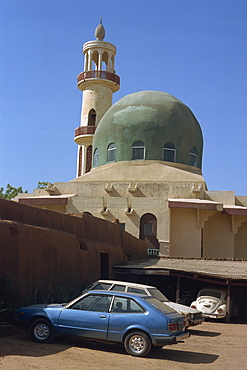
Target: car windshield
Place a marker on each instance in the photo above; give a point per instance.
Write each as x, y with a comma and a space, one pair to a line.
97, 286
157, 294
92, 302
159, 305
209, 293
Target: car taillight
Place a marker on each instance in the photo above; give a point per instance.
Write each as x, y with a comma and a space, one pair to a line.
219, 310
173, 326
193, 306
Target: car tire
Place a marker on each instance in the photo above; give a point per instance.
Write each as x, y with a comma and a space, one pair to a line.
42, 331
137, 344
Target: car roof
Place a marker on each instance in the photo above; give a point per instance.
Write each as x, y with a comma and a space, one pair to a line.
124, 283
119, 294
214, 289
108, 293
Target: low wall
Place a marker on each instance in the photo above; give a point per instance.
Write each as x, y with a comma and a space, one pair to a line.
42, 249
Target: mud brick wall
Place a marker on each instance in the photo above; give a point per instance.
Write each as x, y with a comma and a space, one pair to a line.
41, 249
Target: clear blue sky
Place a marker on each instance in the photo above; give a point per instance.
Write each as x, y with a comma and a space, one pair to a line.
195, 50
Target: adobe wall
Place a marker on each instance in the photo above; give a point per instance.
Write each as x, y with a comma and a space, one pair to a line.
42, 249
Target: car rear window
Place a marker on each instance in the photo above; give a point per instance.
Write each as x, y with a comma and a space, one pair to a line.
209, 293
157, 294
162, 307
136, 290
119, 288
101, 286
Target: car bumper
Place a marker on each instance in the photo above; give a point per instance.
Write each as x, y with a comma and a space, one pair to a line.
162, 341
213, 316
196, 322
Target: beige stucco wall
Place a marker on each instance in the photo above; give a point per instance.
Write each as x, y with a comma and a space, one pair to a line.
217, 240
218, 237
148, 197
241, 242
185, 236
224, 197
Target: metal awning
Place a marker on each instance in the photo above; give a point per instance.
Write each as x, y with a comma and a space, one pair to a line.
203, 204
230, 271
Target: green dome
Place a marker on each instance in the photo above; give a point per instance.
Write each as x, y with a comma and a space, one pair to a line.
149, 125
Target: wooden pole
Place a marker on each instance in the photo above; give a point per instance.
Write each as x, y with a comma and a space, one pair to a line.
178, 289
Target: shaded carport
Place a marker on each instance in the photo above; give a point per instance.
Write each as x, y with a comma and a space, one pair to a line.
224, 272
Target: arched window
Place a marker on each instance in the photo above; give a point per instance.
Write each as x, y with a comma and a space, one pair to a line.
193, 157
96, 157
91, 118
169, 153
105, 58
111, 152
95, 59
89, 158
138, 150
80, 162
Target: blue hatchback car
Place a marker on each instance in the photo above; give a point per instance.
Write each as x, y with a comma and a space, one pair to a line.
139, 322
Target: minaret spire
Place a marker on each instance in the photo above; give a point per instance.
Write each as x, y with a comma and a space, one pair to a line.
98, 82
100, 31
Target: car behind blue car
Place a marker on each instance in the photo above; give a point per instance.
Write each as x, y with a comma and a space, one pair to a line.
137, 321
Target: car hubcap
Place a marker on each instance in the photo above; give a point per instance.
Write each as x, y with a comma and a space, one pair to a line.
41, 331
137, 344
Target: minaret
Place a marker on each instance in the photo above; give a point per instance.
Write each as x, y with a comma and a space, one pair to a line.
98, 82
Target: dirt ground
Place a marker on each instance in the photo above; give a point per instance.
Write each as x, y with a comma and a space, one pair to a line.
211, 345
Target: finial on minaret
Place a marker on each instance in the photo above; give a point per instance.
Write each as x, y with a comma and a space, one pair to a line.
100, 31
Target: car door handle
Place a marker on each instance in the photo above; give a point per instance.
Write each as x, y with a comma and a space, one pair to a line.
102, 316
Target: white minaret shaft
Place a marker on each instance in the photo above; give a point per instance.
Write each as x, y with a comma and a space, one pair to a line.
98, 82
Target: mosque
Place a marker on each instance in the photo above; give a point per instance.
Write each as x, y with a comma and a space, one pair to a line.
139, 164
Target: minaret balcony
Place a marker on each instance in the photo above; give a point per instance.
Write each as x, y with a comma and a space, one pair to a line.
84, 135
106, 78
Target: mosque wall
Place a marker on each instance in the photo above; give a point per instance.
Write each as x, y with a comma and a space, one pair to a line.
185, 236
218, 237
241, 200
240, 250
206, 233
224, 197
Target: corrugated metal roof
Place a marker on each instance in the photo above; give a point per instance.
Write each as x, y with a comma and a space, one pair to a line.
226, 269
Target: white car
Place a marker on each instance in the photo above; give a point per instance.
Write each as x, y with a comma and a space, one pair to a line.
192, 316
212, 302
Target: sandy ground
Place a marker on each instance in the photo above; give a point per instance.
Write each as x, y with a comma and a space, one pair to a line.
210, 346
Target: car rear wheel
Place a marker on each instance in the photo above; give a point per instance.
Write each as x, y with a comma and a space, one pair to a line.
41, 331
137, 344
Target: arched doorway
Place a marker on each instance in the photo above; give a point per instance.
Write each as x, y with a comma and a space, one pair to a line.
148, 230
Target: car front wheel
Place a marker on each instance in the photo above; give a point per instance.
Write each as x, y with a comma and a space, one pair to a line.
41, 331
137, 344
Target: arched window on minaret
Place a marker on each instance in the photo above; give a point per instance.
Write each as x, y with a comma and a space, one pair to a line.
89, 158
105, 58
80, 162
95, 60
91, 118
